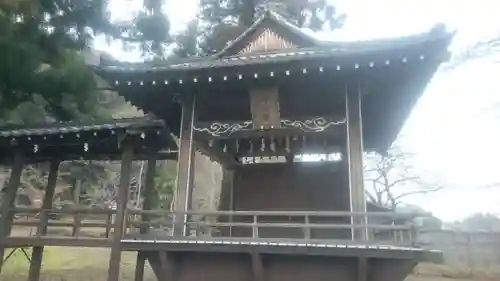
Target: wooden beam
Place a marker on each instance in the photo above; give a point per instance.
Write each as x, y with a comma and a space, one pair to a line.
355, 159
6, 216
37, 253
123, 193
185, 168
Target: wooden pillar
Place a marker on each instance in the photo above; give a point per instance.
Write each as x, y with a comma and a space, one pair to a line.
121, 207
147, 205
37, 253
355, 159
226, 200
185, 167
6, 215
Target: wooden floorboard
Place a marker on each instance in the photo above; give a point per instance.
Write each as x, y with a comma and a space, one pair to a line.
235, 245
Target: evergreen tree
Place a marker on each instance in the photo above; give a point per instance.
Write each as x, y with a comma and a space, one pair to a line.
41, 70
149, 28
43, 76
224, 20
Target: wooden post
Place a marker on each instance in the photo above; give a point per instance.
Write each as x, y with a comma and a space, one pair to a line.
230, 176
6, 215
362, 273
76, 199
147, 205
355, 160
37, 254
139, 266
121, 206
185, 167
257, 267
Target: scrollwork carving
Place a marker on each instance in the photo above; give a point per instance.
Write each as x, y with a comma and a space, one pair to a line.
317, 124
224, 129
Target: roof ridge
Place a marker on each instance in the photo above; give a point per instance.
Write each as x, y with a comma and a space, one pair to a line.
274, 16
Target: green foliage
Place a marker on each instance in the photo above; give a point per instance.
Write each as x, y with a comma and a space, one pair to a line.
41, 69
149, 28
225, 20
304, 13
43, 76
187, 41
165, 184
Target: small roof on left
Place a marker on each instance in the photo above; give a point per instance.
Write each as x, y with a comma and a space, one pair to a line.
86, 140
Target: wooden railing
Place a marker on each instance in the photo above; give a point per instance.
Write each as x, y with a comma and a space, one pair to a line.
74, 222
386, 228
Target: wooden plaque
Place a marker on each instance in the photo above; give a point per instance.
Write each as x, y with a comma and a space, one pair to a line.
264, 104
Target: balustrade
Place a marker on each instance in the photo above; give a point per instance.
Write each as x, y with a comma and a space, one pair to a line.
329, 227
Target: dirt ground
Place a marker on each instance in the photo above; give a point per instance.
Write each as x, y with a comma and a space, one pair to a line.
90, 264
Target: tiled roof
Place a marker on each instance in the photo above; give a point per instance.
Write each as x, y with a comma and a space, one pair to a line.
334, 49
75, 127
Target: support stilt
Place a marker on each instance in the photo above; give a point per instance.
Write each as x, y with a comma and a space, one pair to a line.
139, 266
37, 253
147, 205
115, 257
257, 267
362, 274
6, 216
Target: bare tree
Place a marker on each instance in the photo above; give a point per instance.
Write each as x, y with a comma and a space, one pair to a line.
482, 49
390, 178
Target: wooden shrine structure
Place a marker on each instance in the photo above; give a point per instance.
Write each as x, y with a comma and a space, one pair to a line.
273, 99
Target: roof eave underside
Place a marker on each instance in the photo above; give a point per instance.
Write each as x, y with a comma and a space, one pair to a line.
416, 81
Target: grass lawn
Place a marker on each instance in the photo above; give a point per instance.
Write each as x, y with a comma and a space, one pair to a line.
72, 264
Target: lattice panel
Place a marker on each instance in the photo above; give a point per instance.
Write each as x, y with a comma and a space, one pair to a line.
267, 41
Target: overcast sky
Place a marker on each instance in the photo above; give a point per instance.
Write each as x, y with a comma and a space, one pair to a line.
451, 130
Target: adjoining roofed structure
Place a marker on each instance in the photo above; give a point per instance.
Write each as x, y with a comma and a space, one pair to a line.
86, 140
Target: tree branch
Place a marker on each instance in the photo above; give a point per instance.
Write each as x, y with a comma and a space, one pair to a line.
421, 191
403, 180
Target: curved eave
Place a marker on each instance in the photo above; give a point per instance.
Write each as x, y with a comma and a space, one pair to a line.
393, 105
